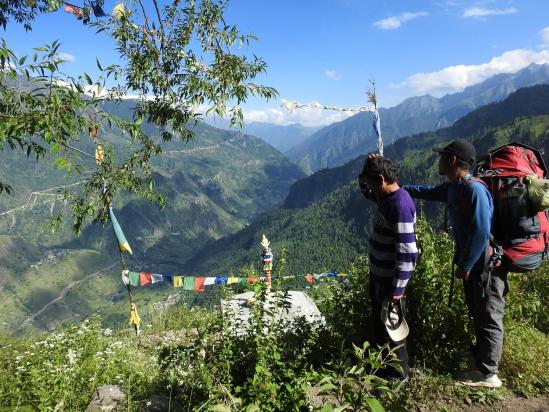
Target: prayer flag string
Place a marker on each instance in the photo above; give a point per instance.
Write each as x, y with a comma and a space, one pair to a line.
291, 105
199, 283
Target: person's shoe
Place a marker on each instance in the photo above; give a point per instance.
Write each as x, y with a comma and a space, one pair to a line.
476, 378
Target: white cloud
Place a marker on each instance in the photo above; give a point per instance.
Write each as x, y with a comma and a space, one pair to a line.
394, 22
482, 12
456, 78
307, 116
332, 74
66, 57
544, 33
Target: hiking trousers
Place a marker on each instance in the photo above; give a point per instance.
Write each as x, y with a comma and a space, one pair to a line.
381, 289
486, 308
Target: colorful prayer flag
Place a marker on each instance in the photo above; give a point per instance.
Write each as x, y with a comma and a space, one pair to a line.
177, 281
144, 278
188, 283
199, 284
253, 279
309, 279
220, 279
125, 277
209, 281
122, 242
377, 128
72, 9
232, 280
155, 278
134, 317
134, 278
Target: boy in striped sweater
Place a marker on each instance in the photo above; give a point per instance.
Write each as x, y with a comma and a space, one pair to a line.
392, 249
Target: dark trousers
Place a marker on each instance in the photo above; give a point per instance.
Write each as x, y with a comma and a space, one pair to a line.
380, 290
486, 303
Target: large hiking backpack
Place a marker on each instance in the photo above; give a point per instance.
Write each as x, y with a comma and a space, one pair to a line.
514, 174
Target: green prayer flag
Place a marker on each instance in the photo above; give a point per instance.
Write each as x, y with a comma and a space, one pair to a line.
134, 278
243, 281
188, 283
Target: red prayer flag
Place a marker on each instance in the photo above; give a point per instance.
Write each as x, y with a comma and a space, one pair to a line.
199, 284
144, 278
72, 9
253, 279
309, 279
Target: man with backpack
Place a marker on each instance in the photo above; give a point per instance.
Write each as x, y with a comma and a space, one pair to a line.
470, 208
392, 255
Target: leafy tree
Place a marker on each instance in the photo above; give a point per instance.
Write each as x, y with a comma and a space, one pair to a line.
177, 59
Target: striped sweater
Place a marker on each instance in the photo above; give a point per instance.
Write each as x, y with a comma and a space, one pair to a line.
392, 251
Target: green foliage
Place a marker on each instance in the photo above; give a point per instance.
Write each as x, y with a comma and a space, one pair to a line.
486, 397
63, 369
528, 300
428, 306
525, 359
270, 367
346, 304
356, 386
44, 111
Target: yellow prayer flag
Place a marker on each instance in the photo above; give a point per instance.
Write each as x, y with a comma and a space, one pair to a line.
134, 316
178, 281
232, 280
99, 155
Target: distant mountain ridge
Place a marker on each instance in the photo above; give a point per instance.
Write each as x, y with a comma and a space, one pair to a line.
281, 137
340, 142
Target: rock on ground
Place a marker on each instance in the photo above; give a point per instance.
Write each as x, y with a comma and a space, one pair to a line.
296, 307
106, 399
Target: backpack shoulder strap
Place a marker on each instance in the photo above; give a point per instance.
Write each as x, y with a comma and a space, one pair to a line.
462, 200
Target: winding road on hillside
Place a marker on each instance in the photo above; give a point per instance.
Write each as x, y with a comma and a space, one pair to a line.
61, 296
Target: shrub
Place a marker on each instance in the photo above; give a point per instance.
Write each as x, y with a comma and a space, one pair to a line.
62, 370
525, 360
438, 331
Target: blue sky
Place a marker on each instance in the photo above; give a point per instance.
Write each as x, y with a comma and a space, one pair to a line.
326, 50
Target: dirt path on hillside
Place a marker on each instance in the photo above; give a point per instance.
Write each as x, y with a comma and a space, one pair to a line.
61, 296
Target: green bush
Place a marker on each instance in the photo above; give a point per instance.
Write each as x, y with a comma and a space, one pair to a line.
528, 299
62, 370
525, 360
438, 331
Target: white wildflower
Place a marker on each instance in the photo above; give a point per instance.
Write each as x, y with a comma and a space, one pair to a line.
71, 355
